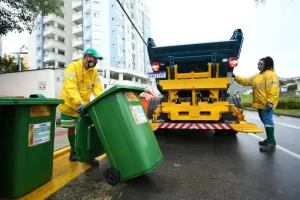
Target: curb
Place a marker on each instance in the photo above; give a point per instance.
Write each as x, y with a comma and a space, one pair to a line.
60, 152
293, 116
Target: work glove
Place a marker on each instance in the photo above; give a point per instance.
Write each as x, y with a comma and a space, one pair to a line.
80, 109
269, 106
233, 75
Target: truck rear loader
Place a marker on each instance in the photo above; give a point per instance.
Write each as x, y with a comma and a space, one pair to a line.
194, 80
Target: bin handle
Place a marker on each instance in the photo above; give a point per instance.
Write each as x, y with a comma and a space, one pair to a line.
39, 96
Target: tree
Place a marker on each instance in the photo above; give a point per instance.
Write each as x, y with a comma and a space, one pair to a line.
19, 15
292, 87
281, 82
7, 65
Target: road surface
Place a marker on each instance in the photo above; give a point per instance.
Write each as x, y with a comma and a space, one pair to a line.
199, 165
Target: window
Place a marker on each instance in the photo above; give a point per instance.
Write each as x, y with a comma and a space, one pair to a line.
96, 14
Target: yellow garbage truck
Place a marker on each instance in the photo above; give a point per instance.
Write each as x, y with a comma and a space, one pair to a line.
194, 80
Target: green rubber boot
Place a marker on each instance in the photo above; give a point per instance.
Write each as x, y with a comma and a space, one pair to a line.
73, 156
271, 144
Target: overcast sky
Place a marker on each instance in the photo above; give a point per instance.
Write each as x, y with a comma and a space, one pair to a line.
272, 30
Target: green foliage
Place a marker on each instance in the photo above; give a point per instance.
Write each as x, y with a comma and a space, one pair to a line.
8, 65
19, 15
286, 102
292, 87
281, 82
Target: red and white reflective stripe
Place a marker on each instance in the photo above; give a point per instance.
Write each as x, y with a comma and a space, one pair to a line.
195, 126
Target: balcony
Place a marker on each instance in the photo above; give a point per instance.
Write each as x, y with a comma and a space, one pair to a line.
51, 56
77, 5
77, 55
77, 17
51, 43
78, 42
54, 18
77, 30
52, 30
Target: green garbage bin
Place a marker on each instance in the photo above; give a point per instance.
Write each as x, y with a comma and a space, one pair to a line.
125, 133
88, 144
26, 144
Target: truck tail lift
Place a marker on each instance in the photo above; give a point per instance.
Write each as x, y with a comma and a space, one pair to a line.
194, 80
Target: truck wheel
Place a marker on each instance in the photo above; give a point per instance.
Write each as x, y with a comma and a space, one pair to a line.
152, 106
112, 176
225, 132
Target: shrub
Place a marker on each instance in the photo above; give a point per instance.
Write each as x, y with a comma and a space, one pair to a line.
289, 102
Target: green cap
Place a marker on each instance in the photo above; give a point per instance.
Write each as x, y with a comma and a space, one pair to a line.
93, 52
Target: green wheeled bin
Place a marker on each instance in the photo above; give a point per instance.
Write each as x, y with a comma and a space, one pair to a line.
125, 133
26, 142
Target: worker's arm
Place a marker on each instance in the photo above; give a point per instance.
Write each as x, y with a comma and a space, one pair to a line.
71, 85
97, 89
243, 81
272, 88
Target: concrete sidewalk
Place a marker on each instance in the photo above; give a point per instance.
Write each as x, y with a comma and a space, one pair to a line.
61, 138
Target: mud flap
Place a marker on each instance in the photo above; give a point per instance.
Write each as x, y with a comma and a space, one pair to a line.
154, 126
247, 128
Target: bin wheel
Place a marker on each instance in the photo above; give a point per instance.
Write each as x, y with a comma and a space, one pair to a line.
112, 176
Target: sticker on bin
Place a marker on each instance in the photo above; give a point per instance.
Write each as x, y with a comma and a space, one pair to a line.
138, 114
131, 96
39, 133
40, 111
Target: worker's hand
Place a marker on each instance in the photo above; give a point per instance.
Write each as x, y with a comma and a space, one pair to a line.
80, 109
233, 75
146, 90
269, 106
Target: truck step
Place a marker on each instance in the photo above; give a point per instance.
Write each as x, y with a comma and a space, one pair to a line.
195, 126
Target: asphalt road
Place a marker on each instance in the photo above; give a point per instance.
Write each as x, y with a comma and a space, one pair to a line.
199, 165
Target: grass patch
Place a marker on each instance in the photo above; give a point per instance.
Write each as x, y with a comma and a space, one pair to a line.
281, 111
291, 103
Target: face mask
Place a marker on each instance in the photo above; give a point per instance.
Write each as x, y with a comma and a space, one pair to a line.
260, 68
91, 64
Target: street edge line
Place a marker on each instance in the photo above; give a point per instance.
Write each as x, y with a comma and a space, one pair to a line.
293, 154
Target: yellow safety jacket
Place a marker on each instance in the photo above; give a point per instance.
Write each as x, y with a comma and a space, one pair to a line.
265, 88
78, 86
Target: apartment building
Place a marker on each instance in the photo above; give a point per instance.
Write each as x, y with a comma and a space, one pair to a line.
49, 44
101, 24
108, 29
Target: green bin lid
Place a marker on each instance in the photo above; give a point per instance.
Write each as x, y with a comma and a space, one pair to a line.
6, 101
114, 89
36, 100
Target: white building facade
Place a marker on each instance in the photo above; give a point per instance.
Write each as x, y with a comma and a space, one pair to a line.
101, 24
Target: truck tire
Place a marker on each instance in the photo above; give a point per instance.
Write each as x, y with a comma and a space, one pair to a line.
225, 132
152, 106
229, 117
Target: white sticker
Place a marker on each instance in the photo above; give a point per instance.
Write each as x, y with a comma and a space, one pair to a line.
39, 133
42, 85
138, 114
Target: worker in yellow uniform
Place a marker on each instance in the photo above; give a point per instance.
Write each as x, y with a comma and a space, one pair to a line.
266, 91
81, 79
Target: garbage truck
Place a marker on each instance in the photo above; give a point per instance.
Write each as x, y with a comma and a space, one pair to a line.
194, 80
